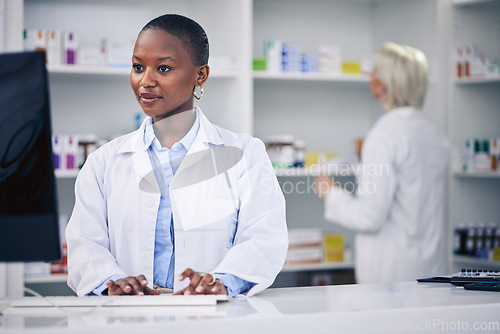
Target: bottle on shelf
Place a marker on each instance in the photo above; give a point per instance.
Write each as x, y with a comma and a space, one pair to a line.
460, 238
281, 151
468, 160
460, 62
480, 155
300, 153
481, 252
494, 153
470, 244
477, 240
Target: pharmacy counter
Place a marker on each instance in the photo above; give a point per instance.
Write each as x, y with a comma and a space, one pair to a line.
363, 308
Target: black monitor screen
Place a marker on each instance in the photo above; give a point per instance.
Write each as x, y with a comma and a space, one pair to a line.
28, 208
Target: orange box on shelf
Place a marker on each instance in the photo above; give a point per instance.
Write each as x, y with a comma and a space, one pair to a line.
60, 267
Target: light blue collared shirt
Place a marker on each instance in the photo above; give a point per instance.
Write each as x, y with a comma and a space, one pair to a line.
164, 254
165, 163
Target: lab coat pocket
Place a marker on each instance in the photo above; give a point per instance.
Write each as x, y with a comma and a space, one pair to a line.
222, 188
225, 194
219, 238
203, 203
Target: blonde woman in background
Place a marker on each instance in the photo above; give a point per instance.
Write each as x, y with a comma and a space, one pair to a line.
398, 211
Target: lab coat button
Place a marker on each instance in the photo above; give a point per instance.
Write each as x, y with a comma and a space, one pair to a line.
144, 255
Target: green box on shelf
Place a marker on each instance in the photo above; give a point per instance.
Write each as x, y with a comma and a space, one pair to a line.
259, 64
493, 71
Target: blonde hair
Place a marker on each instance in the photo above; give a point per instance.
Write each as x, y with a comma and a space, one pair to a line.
404, 70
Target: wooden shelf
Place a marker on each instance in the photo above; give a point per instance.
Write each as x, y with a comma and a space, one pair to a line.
262, 75
62, 278
293, 172
54, 278
315, 171
67, 174
88, 69
124, 71
469, 260
470, 2
475, 81
318, 266
477, 175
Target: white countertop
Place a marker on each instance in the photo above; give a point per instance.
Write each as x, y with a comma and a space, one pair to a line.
361, 308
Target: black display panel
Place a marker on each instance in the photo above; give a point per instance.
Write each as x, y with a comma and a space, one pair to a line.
28, 203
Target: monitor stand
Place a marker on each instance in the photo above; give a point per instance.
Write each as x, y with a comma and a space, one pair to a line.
11, 280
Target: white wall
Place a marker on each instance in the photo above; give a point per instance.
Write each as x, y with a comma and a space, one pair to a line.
415, 23
2, 25
13, 26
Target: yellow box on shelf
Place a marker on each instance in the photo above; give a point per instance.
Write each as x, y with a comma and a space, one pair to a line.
351, 67
333, 247
315, 158
496, 254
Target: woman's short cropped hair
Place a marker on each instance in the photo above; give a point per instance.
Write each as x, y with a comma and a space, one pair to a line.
188, 31
404, 70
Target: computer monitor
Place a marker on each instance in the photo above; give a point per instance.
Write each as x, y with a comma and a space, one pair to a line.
29, 228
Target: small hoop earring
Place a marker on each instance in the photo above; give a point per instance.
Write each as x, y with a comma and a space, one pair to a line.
201, 93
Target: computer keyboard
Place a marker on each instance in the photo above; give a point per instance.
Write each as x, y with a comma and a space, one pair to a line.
470, 279
465, 280
119, 301
465, 276
478, 276
478, 273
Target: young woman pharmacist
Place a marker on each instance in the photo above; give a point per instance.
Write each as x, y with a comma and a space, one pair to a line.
180, 203
398, 211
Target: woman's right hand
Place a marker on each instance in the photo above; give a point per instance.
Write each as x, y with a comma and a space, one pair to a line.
201, 284
131, 285
323, 185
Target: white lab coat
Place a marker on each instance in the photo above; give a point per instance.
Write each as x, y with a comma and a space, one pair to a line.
112, 228
398, 211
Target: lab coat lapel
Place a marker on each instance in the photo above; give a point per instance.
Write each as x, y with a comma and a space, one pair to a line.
146, 179
197, 152
144, 173
207, 134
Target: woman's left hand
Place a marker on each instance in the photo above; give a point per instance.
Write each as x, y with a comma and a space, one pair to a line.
201, 284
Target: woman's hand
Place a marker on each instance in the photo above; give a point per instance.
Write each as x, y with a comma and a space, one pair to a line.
322, 185
201, 284
131, 285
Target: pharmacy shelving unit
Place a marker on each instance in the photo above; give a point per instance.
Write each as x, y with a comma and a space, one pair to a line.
67, 173
318, 266
263, 75
465, 262
315, 171
62, 278
54, 278
462, 175
327, 113
474, 81
474, 113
